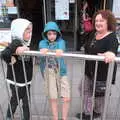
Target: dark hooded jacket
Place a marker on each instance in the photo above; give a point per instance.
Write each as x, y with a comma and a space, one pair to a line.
18, 27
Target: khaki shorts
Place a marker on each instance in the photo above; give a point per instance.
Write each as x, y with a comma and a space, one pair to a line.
56, 85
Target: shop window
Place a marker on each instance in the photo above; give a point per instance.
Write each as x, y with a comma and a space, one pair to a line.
8, 12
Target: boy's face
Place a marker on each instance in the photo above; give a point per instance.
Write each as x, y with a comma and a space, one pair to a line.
27, 33
52, 35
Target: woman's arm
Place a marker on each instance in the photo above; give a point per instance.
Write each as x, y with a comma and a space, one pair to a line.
112, 49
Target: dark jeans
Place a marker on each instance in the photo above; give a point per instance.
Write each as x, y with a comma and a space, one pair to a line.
22, 93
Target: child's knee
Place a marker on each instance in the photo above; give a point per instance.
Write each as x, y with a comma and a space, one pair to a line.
66, 99
53, 99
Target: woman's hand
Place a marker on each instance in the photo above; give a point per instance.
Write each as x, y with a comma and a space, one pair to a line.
21, 49
109, 56
44, 51
59, 52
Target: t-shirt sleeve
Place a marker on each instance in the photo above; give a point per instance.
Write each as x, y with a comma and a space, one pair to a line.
113, 44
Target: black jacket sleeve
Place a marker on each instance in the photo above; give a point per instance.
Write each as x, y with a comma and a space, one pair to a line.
7, 53
113, 44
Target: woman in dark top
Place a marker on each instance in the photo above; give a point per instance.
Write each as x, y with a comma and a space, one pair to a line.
103, 42
98, 46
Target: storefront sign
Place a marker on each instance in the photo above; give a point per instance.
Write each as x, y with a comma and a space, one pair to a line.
62, 9
116, 8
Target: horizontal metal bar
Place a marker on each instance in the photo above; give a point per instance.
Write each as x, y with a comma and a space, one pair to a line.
80, 56
73, 55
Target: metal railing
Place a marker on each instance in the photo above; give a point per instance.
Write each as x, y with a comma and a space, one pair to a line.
76, 69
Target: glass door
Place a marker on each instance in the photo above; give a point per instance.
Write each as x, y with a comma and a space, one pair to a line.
63, 12
68, 15
8, 12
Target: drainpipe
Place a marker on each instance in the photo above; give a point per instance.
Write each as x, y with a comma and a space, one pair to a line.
18, 7
75, 26
44, 7
104, 5
108, 4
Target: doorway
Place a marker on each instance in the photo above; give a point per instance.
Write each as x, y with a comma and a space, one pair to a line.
71, 28
33, 11
42, 11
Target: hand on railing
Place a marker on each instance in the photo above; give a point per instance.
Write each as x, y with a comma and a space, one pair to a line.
59, 52
20, 50
44, 51
109, 56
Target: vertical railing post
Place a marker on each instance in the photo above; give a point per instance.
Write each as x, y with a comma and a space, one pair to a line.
16, 89
108, 88
94, 86
26, 85
75, 25
45, 15
7, 89
82, 91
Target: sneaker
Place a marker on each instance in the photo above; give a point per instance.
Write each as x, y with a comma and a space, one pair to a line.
87, 117
8, 118
84, 116
96, 115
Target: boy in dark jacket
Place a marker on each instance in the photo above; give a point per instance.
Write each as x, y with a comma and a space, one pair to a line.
21, 31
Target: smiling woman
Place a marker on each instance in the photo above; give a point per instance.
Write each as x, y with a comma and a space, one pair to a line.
102, 42
105, 44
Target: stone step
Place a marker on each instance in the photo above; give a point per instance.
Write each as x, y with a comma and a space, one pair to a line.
41, 117
44, 118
